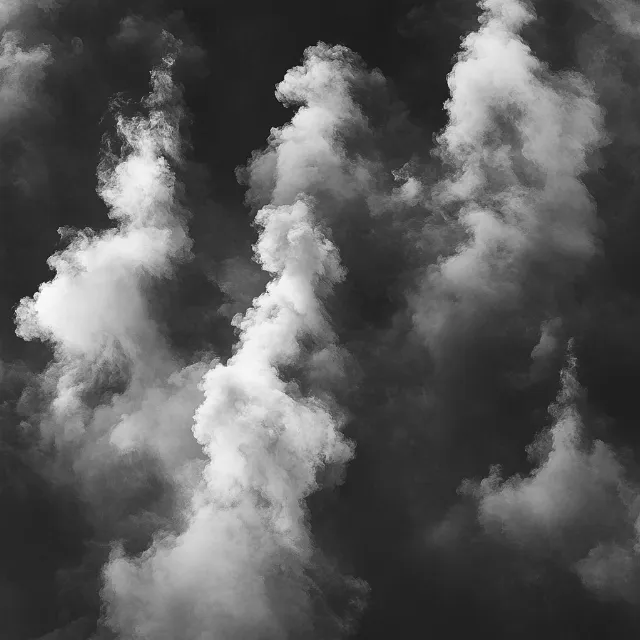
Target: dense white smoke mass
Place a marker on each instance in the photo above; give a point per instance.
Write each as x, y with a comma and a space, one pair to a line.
517, 141
307, 155
243, 564
240, 567
96, 314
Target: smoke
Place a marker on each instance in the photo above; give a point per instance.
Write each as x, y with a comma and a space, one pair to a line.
23, 103
517, 142
307, 156
578, 502
245, 563
337, 416
95, 311
241, 566
115, 399
22, 73
266, 438
622, 14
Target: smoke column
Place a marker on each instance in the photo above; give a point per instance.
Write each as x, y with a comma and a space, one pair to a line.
240, 567
120, 404
517, 141
578, 500
243, 565
95, 311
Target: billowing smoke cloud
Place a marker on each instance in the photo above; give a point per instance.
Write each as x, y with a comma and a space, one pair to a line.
95, 311
114, 398
517, 141
308, 155
244, 563
578, 502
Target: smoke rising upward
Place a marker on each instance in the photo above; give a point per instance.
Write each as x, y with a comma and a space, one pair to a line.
140, 193
577, 502
306, 156
243, 564
517, 142
240, 568
95, 311
209, 425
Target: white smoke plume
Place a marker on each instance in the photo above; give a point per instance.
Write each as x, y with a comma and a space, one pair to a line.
307, 156
517, 141
95, 312
238, 570
245, 565
118, 404
578, 502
